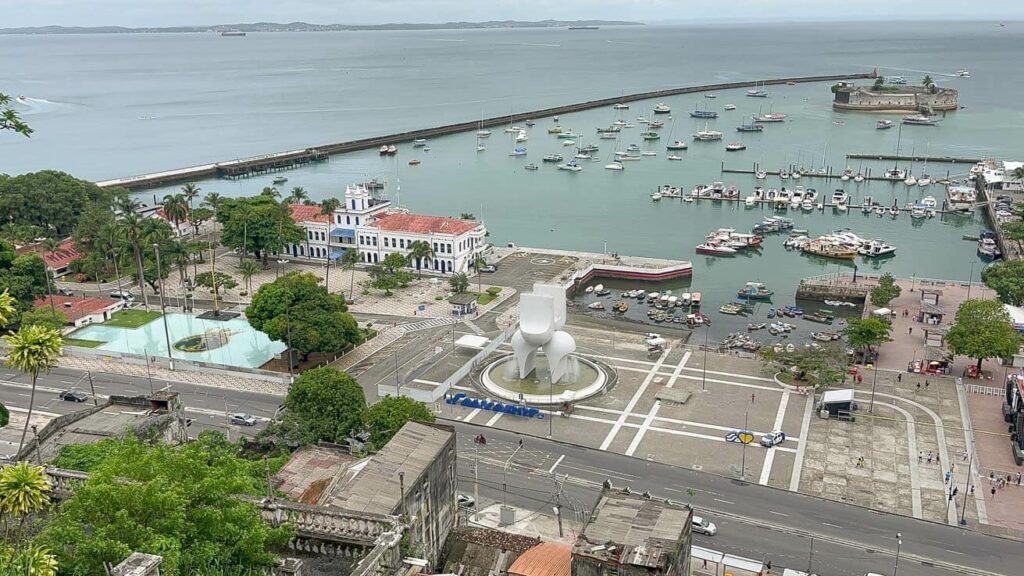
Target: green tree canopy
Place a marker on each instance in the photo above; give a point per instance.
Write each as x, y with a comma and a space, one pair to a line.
325, 404
45, 316
389, 274
982, 330
51, 200
459, 283
862, 333
1007, 279
886, 291
257, 225
818, 367
387, 417
219, 281
295, 308
178, 502
1015, 231
23, 277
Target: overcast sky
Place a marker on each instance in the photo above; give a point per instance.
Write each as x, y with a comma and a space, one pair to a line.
186, 12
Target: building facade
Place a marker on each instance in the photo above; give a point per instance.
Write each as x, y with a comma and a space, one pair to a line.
375, 229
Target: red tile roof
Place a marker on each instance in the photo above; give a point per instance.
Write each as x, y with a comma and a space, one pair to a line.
65, 254
545, 559
303, 213
418, 224
75, 307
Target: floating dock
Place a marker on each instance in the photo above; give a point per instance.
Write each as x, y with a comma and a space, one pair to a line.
934, 159
256, 165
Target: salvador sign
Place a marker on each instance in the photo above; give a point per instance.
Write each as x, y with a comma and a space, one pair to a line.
484, 404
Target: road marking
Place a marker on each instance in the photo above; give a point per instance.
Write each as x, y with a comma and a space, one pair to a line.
493, 419
34, 412
23, 394
723, 501
769, 457
805, 426
471, 415
733, 374
555, 465
832, 525
915, 475
955, 552
649, 419
632, 401
66, 382
778, 513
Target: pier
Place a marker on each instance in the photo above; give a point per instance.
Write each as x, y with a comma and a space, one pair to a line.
935, 159
256, 165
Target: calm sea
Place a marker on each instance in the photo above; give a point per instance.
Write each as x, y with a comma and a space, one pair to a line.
106, 106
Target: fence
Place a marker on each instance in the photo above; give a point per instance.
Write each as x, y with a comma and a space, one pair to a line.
985, 390
161, 362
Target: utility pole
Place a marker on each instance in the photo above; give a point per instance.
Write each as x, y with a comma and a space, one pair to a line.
874, 379
967, 484
504, 472
95, 402
476, 476
149, 374
558, 503
743, 462
704, 364
810, 557
398, 380
163, 307
39, 455
970, 280
899, 542
401, 489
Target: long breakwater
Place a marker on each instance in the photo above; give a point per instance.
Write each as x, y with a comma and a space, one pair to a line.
279, 161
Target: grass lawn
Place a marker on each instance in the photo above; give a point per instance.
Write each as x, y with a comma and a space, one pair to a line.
485, 298
132, 318
83, 343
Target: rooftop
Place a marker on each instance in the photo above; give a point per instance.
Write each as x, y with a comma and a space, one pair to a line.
372, 484
419, 224
76, 307
303, 213
546, 559
310, 470
631, 528
65, 254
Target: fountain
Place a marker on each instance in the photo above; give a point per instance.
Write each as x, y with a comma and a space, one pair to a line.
543, 368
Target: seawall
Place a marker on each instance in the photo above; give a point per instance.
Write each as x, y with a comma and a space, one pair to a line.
294, 158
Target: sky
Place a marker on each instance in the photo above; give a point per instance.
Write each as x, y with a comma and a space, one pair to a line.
16, 13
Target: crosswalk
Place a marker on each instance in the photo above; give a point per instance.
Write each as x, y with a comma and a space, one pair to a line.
426, 324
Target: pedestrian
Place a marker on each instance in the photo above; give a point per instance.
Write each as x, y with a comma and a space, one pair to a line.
899, 377
936, 459
993, 492
959, 381
972, 489
925, 384
920, 455
910, 329
860, 379
705, 563
1018, 478
929, 456
769, 565
992, 476
1008, 480
918, 386
752, 396
965, 455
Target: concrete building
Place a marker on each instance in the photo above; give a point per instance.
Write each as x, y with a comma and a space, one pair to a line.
59, 261
849, 96
632, 534
373, 227
412, 477
1001, 175
81, 310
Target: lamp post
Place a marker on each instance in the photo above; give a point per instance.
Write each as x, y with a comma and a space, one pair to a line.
967, 484
163, 307
970, 280
704, 364
743, 461
899, 542
504, 472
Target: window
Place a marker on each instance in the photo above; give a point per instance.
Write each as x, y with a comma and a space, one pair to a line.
374, 242
401, 242
385, 241
357, 220
348, 219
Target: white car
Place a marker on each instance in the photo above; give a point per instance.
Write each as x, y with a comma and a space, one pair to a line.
773, 438
702, 526
465, 501
243, 419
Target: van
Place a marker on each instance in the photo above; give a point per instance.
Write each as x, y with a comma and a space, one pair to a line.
122, 295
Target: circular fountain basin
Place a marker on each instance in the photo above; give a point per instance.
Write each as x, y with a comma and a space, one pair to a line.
501, 379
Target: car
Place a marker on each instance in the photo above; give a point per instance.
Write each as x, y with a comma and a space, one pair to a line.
773, 438
702, 526
465, 501
65, 292
73, 395
490, 268
122, 295
243, 419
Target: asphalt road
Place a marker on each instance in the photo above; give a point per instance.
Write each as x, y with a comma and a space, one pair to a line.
752, 520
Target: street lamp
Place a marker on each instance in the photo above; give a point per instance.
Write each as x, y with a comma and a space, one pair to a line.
970, 280
899, 542
704, 364
163, 307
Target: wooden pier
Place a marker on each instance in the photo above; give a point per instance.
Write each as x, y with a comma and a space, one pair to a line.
245, 167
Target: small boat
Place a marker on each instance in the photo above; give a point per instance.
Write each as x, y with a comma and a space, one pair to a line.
419, 143
760, 175
884, 124
707, 135
530, 166
620, 307
583, 156
710, 96
633, 148
757, 93
876, 249
825, 336
521, 136
910, 180
677, 145
568, 142
590, 149
621, 106
280, 180
730, 106
731, 309
619, 167
828, 250
918, 212
784, 174
771, 312
753, 327
820, 317
673, 157
555, 130
414, 162
963, 74
596, 305
750, 128
776, 117
648, 153
920, 120
530, 123
928, 202
715, 249
662, 109
392, 150
570, 166
695, 299
858, 177
553, 158
650, 135
518, 151
384, 150
483, 133
924, 180
735, 147
703, 114
755, 291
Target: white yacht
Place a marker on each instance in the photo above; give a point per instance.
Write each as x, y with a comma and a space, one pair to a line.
621, 106
924, 180
929, 202
760, 174
614, 166
858, 177
677, 145
895, 174
483, 133
876, 249
662, 109
910, 180
840, 197
673, 157
521, 136
419, 143
707, 135
570, 166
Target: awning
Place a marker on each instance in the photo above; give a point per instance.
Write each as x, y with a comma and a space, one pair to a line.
338, 253
343, 233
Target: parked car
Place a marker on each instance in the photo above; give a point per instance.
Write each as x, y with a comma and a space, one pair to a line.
465, 501
773, 438
65, 292
490, 268
73, 396
702, 526
122, 295
243, 419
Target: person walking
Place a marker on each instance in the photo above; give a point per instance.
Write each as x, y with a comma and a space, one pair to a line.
910, 329
993, 492
899, 377
1018, 478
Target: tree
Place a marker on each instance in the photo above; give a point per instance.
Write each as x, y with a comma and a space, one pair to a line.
23, 278
189, 192
215, 281
7, 310
197, 216
863, 333
467, 216
927, 81
1014, 231
32, 349
5, 416
176, 209
389, 275
479, 262
420, 254
982, 330
177, 501
213, 200
297, 310
1007, 279
49, 200
45, 316
133, 230
885, 292
348, 262
879, 83
326, 405
24, 491
329, 205
9, 118
1018, 173
257, 225
298, 196
459, 283
248, 269
818, 367
387, 417
271, 192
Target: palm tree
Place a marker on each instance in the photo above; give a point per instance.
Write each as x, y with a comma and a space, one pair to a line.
23, 489
125, 204
133, 229
190, 191
270, 191
6, 308
348, 262
32, 349
329, 205
927, 80
51, 245
176, 209
298, 196
1018, 173
249, 268
479, 264
214, 201
29, 559
419, 253
177, 251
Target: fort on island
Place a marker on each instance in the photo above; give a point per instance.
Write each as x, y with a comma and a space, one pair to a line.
929, 99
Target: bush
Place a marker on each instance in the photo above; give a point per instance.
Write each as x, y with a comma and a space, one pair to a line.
494, 290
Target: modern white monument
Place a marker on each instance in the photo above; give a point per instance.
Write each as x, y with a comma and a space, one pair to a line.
541, 319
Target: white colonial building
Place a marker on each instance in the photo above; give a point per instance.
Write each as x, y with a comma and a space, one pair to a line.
371, 226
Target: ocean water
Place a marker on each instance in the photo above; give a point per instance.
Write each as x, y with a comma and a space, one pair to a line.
108, 106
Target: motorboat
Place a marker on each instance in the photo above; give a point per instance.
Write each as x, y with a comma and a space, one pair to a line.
710, 96
596, 305
715, 249
642, 120
894, 211
847, 175
656, 196
662, 109
650, 135
918, 212
920, 120
884, 124
760, 174
384, 150
735, 147
757, 93
754, 127
655, 124
518, 151
555, 130
483, 133
590, 149
419, 143
569, 134
673, 157
963, 74
730, 106
530, 166
280, 180
621, 106
858, 177
988, 249
895, 174
614, 166
876, 249
796, 174
583, 156
755, 291
750, 201
828, 250
677, 145
521, 136
924, 180
648, 153
703, 114
633, 148
795, 241
784, 174
553, 158
707, 135
570, 166
774, 117
392, 150
568, 142
929, 202
607, 135
414, 162
899, 80
807, 205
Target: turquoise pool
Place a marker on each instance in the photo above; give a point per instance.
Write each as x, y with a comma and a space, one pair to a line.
232, 343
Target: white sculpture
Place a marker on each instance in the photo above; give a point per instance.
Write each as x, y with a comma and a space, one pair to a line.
541, 319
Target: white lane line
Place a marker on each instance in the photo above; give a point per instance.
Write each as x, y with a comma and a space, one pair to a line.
769, 457
794, 480
649, 419
493, 419
955, 552
34, 412
778, 513
832, 525
471, 415
632, 401
555, 465
723, 501
758, 378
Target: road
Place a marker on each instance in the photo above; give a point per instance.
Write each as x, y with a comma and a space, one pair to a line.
752, 519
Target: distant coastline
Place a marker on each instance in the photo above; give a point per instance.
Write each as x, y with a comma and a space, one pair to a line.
306, 27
